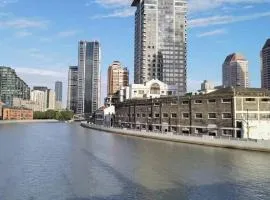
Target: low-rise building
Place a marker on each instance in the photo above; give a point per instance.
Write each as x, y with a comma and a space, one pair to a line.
1, 110
227, 112
105, 115
15, 113
150, 89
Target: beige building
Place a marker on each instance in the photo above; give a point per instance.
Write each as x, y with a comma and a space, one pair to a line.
265, 70
50, 100
40, 98
118, 77
32, 105
235, 71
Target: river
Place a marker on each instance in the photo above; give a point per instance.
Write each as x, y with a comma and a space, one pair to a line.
58, 161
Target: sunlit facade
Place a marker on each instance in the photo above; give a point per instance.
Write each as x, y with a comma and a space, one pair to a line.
160, 42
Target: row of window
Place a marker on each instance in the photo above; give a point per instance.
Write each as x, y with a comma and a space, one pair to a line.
184, 115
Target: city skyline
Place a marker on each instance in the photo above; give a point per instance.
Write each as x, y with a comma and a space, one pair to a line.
46, 43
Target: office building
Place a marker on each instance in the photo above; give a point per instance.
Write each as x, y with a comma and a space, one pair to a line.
89, 68
265, 62
12, 86
72, 95
160, 42
58, 95
235, 71
118, 76
51, 100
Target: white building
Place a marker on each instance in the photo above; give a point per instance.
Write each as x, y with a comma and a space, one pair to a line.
40, 98
150, 89
104, 115
51, 100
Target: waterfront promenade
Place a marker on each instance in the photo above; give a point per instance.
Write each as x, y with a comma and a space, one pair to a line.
234, 143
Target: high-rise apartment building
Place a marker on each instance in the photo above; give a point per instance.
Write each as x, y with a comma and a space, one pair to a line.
265, 62
51, 100
89, 68
40, 98
160, 42
118, 76
72, 95
235, 71
12, 86
58, 95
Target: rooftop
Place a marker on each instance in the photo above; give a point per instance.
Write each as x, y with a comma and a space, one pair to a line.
234, 57
135, 3
267, 44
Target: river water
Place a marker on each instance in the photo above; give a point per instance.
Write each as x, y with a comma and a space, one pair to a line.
67, 162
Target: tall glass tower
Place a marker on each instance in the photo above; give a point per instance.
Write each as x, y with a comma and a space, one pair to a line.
160, 42
88, 77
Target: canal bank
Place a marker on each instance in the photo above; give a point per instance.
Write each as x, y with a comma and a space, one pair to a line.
27, 121
232, 143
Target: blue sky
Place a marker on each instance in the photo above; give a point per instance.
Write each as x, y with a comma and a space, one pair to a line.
39, 38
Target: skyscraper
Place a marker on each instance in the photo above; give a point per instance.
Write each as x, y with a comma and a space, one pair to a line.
235, 71
89, 77
265, 69
160, 42
118, 76
72, 88
58, 95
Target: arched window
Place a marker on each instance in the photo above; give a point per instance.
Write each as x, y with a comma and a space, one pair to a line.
155, 89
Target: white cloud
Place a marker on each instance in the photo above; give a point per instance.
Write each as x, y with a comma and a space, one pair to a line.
68, 33
226, 19
124, 12
23, 23
212, 33
3, 3
22, 34
41, 72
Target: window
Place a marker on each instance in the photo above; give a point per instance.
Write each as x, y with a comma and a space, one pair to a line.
143, 115
250, 99
156, 104
156, 115
212, 115
185, 131
174, 115
174, 129
226, 115
226, 100
138, 115
198, 116
211, 101
150, 115
185, 115
227, 133
185, 102
133, 115
198, 101
165, 115
265, 116
198, 130
266, 100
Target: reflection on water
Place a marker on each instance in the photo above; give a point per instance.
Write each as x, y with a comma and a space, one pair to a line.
65, 161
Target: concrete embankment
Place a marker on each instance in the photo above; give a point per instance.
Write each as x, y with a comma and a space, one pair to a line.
27, 121
233, 143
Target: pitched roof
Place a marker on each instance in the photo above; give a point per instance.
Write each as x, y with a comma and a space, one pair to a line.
267, 44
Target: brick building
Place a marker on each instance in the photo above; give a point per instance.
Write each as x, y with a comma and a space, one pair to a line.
234, 112
14, 113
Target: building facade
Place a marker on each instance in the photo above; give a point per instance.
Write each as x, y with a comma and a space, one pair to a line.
40, 99
118, 76
227, 112
89, 69
31, 105
13, 113
58, 95
235, 71
51, 100
72, 88
12, 86
161, 42
149, 90
265, 62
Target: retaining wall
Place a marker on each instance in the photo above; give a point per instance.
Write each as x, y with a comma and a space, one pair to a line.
233, 143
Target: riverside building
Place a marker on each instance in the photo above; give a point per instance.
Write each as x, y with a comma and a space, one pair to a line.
89, 69
265, 62
58, 95
227, 112
160, 42
12, 86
